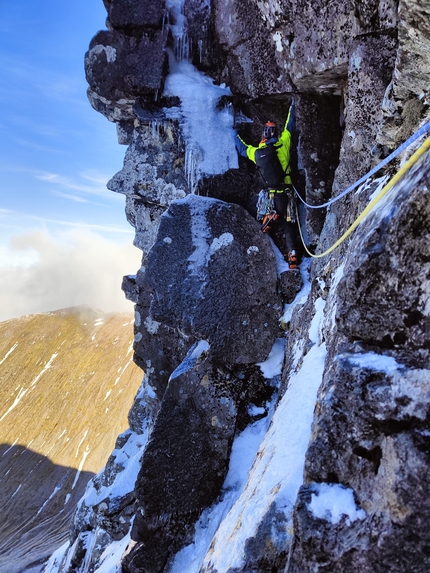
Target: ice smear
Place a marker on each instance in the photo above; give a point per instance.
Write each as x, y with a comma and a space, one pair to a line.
373, 361
178, 27
208, 131
190, 359
314, 329
205, 246
332, 501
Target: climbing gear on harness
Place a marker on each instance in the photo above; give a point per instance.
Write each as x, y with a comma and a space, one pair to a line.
269, 166
269, 218
265, 204
409, 163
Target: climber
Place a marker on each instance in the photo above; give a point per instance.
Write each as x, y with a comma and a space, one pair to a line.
272, 157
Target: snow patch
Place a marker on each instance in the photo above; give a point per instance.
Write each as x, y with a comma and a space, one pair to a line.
316, 323
24, 391
81, 465
332, 501
277, 38
9, 352
220, 242
138, 337
129, 458
277, 472
272, 366
57, 488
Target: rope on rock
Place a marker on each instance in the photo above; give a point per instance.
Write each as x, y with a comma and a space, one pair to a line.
408, 164
424, 129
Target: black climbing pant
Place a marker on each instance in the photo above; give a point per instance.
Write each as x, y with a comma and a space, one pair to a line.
285, 207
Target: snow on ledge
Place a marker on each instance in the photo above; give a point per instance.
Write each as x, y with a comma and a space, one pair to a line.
332, 501
373, 361
272, 366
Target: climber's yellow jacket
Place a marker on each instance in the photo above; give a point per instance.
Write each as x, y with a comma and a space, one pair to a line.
281, 145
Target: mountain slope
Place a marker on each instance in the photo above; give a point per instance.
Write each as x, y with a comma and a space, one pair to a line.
67, 380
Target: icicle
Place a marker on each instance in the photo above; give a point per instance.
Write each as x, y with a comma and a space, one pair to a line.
165, 21
192, 163
179, 29
157, 128
182, 48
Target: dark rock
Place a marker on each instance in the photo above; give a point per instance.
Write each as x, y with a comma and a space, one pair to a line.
380, 421
290, 283
129, 287
382, 299
319, 125
267, 550
212, 275
159, 348
131, 14
370, 431
120, 67
186, 459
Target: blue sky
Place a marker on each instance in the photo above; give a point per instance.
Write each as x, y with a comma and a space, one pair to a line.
56, 152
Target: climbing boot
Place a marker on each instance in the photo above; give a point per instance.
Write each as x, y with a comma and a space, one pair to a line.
292, 260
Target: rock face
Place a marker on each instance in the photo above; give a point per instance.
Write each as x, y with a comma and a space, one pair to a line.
188, 291
374, 401
353, 495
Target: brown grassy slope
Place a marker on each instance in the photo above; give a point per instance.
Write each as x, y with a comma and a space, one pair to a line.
67, 381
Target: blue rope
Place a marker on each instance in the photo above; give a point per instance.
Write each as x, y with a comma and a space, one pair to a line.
424, 129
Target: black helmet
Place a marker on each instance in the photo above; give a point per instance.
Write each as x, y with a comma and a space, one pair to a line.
269, 130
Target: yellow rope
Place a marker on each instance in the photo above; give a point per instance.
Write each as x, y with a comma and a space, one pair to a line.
409, 163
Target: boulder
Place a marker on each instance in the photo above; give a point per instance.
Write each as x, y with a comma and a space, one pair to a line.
185, 461
212, 275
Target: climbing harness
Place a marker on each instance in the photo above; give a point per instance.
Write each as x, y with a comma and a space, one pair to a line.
424, 129
408, 164
266, 211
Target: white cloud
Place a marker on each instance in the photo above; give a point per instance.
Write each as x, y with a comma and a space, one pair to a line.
40, 273
71, 197
96, 186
